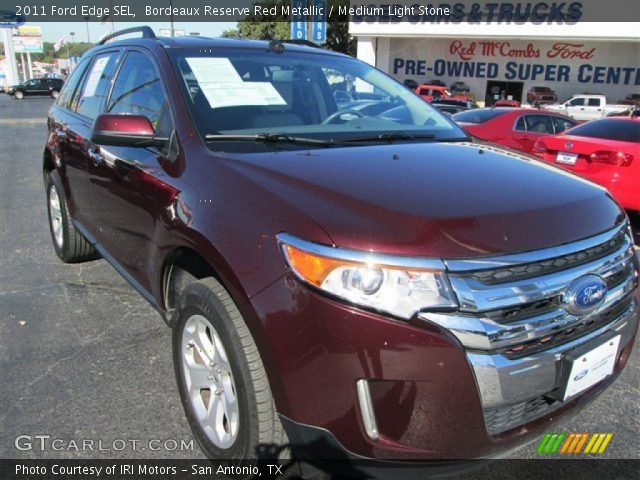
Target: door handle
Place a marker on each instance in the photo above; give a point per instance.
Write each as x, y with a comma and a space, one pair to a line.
61, 134
95, 156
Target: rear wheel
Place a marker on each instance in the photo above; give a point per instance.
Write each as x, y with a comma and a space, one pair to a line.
55, 93
18, 95
223, 385
69, 244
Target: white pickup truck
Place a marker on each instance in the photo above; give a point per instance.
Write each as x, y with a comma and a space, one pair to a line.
586, 107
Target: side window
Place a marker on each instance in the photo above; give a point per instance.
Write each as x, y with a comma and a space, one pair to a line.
576, 102
594, 102
540, 124
138, 91
562, 124
520, 125
96, 85
72, 83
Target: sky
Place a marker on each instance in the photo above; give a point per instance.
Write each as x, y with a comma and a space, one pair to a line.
52, 31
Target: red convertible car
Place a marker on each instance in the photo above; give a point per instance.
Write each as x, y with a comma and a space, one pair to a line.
605, 151
516, 128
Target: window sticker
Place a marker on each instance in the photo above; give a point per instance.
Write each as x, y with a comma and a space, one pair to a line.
241, 94
94, 76
213, 70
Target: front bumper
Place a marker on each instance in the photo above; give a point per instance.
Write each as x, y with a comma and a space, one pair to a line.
429, 397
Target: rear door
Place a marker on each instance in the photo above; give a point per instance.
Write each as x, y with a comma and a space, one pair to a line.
86, 105
529, 128
66, 147
593, 108
124, 181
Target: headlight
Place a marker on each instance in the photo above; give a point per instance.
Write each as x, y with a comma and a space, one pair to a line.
398, 285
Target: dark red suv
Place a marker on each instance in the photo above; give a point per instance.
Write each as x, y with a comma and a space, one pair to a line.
382, 288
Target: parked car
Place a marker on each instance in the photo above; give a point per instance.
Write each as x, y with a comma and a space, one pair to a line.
605, 151
449, 109
339, 283
430, 93
507, 103
37, 86
631, 99
456, 101
516, 128
459, 87
436, 82
633, 111
410, 83
586, 107
541, 95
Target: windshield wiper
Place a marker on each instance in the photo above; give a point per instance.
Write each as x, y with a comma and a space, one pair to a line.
268, 138
386, 137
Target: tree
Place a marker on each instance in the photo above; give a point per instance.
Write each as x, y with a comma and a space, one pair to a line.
260, 28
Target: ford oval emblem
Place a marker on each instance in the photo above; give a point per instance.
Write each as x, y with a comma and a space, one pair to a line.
568, 145
581, 375
584, 295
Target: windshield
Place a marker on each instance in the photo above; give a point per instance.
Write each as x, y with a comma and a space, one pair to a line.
233, 92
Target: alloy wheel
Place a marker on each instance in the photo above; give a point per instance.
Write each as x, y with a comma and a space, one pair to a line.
209, 381
55, 216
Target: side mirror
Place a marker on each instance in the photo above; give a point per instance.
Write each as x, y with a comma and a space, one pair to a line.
125, 131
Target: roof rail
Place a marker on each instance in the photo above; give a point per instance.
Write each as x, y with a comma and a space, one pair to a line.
146, 33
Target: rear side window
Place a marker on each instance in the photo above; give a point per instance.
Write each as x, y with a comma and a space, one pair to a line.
620, 130
138, 91
69, 88
563, 124
479, 115
539, 124
594, 102
96, 85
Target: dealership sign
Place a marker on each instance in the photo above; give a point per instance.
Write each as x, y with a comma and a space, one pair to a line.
27, 39
559, 62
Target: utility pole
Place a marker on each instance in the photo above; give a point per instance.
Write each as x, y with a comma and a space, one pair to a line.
171, 6
86, 19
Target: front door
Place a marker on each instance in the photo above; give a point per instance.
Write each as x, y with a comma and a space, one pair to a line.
124, 180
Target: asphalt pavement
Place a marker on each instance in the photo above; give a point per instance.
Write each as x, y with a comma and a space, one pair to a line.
84, 357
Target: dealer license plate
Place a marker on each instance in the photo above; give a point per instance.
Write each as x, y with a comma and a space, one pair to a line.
592, 367
567, 158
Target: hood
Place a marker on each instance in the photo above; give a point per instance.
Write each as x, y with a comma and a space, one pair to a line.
448, 200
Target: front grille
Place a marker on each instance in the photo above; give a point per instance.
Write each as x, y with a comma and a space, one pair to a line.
500, 419
514, 326
563, 336
535, 269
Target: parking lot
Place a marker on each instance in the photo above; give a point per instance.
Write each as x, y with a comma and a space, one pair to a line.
83, 356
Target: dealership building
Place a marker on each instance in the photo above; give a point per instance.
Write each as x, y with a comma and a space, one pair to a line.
506, 59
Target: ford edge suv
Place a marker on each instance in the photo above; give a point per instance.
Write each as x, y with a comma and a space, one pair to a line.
387, 289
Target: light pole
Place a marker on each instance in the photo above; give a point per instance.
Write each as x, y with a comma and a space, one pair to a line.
171, 12
86, 19
72, 36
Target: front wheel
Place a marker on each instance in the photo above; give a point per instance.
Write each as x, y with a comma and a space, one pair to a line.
55, 94
222, 382
18, 95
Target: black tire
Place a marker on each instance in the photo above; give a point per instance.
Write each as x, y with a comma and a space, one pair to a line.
260, 433
54, 93
73, 248
18, 95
